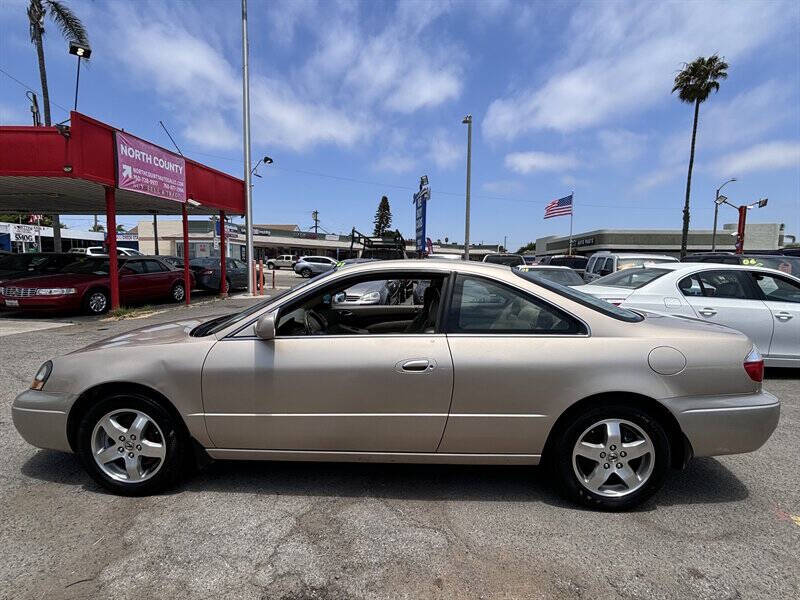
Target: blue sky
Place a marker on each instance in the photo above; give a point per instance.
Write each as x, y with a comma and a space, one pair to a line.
358, 99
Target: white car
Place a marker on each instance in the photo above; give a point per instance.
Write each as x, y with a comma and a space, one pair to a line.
100, 251
604, 263
762, 303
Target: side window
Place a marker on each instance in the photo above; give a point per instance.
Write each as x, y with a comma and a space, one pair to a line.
776, 288
598, 265
153, 266
723, 284
590, 264
690, 286
483, 306
135, 267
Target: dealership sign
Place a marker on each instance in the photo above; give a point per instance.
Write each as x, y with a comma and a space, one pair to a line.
148, 169
24, 233
421, 204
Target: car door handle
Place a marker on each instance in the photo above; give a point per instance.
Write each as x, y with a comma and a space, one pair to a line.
416, 366
707, 312
783, 316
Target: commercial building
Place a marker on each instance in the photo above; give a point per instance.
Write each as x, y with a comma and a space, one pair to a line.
758, 236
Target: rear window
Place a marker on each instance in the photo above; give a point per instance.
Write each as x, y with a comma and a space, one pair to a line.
573, 262
562, 276
587, 300
631, 279
786, 264
505, 259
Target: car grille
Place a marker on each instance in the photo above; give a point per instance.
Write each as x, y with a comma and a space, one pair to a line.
16, 292
351, 298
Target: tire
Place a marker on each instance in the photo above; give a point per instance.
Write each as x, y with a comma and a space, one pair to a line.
270, 266
155, 465
228, 286
96, 302
178, 292
600, 473
305, 272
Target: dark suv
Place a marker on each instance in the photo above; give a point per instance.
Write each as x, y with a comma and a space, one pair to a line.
779, 262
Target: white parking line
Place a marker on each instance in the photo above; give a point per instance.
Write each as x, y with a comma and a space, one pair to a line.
14, 326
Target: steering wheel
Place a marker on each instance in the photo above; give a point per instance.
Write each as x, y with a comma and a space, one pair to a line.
314, 322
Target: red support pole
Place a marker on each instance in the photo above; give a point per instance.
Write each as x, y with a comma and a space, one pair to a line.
187, 282
111, 242
260, 276
223, 283
740, 230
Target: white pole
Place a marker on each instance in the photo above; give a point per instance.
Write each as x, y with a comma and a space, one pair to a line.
246, 131
468, 121
571, 212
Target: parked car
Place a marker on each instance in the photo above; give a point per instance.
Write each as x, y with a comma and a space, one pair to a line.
176, 262
101, 251
493, 382
378, 292
556, 274
284, 261
785, 263
577, 263
445, 256
762, 303
529, 259
313, 265
83, 285
17, 266
510, 260
601, 264
207, 273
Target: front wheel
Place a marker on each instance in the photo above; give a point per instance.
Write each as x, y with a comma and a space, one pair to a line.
96, 302
178, 292
305, 272
270, 266
611, 457
131, 445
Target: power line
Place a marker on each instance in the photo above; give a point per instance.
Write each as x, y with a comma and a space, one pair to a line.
30, 89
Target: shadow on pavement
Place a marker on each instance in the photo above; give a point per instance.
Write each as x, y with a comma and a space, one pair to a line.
775, 373
705, 480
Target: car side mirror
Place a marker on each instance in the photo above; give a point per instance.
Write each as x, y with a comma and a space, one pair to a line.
340, 297
265, 327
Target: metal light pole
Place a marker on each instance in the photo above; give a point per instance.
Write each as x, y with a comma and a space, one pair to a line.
717, 202
80, 51
246, 131
468, 121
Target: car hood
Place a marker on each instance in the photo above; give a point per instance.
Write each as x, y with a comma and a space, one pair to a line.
58, 280
163, 333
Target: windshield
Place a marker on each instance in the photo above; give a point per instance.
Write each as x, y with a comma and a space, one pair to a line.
573, 262
562, 276
220, 323
627, 263
587, 300
88, 266
787, 264
505, 259
631, 279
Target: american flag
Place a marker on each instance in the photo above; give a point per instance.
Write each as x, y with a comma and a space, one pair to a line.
559, 208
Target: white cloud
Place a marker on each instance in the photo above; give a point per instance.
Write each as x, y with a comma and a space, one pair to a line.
529, 162
444, 151
395, 163
620, 145
502, 186
761, 157
622, 58
660, 176
212, 131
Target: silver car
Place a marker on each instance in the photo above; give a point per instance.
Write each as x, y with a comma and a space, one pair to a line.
308, 266
495, 366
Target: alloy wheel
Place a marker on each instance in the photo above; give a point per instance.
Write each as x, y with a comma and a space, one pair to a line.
128, 446
613, 458
97, 302
178, 292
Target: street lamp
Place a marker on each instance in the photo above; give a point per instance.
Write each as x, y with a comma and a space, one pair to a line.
742, 210
468, 122
717, 201
80, 51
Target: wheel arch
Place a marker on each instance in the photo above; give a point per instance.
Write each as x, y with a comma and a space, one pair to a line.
680, 446
95, 393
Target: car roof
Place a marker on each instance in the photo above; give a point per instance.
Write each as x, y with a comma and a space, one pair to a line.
704, 266
634, 255
544, 268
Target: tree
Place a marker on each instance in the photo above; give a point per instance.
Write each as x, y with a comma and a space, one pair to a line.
694, 84
97, 227
383, 217
73, 31
25, 219
120, 228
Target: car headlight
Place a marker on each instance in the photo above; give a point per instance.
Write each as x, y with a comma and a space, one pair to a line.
41, 375
55, 291
371, 298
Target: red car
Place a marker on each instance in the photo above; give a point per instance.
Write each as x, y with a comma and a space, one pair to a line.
83, 285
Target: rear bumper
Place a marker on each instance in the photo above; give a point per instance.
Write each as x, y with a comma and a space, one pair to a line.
716, 425
41, 419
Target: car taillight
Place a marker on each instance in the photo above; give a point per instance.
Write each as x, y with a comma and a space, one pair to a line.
754, 364
208, 272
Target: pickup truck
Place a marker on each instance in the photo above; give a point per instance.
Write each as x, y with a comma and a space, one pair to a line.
284, 261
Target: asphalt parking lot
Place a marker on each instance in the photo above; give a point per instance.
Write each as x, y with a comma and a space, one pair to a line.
723, 528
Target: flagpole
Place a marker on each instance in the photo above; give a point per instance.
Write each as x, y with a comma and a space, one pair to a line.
571, 212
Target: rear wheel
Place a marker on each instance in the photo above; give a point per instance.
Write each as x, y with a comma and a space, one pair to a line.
178, 293
131, 445
96, 302
612, 457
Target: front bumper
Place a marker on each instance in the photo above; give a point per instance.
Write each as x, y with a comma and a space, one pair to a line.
41, 418
47, 303
718, 425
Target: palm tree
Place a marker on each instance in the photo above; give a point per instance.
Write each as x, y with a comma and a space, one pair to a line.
73, 31
694, 84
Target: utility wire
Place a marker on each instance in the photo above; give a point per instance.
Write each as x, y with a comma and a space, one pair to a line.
30, 89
